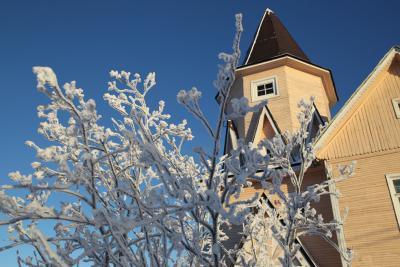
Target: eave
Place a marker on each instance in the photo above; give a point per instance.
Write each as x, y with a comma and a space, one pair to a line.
301, 65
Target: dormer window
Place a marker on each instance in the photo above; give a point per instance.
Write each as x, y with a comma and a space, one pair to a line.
396, 106
263, 89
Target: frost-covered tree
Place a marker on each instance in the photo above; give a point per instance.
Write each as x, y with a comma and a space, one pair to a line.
274, 228
129, 196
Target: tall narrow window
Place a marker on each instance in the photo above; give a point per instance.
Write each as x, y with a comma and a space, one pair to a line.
393, 181
396, 106
263, 89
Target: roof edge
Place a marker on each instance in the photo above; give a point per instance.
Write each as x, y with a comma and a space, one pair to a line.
353, 99
307, 63
280, 36
267, 11
264, 112
279, 57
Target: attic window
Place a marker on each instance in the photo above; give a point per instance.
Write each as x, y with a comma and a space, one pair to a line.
263, 89
396, 106
393, 181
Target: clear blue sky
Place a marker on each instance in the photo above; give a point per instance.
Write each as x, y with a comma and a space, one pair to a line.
179, 40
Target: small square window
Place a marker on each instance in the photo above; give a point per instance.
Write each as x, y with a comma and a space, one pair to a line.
396, 106
393, 181
263, 89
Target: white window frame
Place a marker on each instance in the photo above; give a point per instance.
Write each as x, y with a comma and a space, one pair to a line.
396, 204
396, 103
254, 84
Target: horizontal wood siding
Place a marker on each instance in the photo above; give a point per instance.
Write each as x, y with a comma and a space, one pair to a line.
322, 252
279, 105
235, 232
292, 86
302, 85
371, 228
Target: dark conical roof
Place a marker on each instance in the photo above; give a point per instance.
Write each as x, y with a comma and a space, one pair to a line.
272, 40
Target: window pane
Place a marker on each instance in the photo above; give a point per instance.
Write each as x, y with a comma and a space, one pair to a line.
396, 184
261, 87
261, 90
265, 89
270, 91
260, 93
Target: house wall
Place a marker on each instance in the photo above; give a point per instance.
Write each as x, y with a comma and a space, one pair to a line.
292, 85
322, 252
372, 125
369, 133
303, 85
234, 232
371, 228
278, 105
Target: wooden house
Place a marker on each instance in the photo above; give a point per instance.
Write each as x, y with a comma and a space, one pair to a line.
366, 129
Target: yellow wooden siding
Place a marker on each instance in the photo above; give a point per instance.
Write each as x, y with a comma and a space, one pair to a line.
302, 85
235, 231
371, 227
278, 105
322, 252
292, 85
373, 125
267, 131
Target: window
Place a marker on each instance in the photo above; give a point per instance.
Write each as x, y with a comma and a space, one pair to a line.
263, 89
396, 106
393, 181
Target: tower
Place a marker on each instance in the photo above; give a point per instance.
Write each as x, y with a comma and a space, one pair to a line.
276, 69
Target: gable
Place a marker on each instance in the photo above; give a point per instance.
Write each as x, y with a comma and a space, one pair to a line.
266, 127
371, 124
262, 240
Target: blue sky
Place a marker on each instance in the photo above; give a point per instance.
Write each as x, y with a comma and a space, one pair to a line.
179, 40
